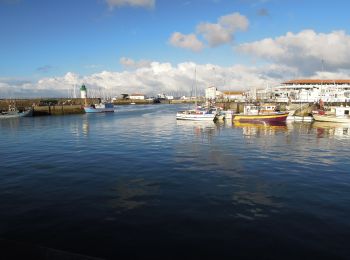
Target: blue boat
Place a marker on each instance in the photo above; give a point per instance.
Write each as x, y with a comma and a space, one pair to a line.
99, 108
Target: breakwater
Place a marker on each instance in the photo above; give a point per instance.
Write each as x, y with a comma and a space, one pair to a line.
66, 106
59, 106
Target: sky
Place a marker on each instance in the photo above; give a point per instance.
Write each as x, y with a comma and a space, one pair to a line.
49, 48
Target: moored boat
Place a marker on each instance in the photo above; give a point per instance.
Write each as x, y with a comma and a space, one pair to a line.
255, 113
13, 112
224, 115
336, 115
197, 114
99, 108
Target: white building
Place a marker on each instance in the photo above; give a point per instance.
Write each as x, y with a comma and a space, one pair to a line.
234, 95
137, 96
312, 90
212, 93
164, 96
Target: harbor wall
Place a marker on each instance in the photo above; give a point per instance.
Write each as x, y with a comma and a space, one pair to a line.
64, 106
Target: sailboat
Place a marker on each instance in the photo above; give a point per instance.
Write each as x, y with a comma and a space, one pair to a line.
197, 113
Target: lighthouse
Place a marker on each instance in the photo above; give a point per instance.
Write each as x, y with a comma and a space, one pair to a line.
83, 91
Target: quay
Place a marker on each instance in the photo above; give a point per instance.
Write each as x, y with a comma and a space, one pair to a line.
65, 106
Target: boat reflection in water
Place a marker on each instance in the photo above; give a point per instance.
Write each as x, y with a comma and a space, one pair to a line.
261, 128
199, 128
329, 129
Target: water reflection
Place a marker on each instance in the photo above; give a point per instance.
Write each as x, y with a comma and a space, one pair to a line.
329, 129
205, 129
133, 193
254, 205
260, 129
301, 128
10, 123
85, 128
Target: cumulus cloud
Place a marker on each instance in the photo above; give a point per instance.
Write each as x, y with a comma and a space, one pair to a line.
215, 34
150, 80
188, 41
304, 50
133, 3
132, 64
223, 31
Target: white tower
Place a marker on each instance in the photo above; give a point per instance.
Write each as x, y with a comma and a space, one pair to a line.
83, 91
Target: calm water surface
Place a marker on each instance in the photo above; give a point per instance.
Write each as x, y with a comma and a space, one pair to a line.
137, 183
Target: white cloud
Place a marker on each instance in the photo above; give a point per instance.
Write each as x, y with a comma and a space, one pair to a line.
134, 3
304, 50
188, 41
157, 78
234, 22
130, 63
215, 34
223, 31
153, 79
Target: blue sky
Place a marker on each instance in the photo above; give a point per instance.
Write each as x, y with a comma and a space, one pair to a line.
119, 39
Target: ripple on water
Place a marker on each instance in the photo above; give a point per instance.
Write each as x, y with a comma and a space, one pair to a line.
138, 177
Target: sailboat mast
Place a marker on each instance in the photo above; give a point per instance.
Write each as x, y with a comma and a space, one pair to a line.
195, 87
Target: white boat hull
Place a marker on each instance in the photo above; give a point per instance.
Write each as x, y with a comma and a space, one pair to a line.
99, 108
195, 117
300, 118
331, 118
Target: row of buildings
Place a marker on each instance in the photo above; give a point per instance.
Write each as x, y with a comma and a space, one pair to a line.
299, 90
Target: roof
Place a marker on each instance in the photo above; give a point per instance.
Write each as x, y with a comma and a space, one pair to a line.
317, 81
137, 95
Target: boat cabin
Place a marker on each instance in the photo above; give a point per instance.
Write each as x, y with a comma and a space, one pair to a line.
342, 111
259, 109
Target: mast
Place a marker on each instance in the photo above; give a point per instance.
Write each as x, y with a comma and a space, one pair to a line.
195, 87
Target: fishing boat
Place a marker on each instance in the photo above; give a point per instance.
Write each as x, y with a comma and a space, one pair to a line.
13, 112
258, 113
336, 115
99, 108
226, 115
199, 113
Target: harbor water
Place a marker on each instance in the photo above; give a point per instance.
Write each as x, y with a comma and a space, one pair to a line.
139, 184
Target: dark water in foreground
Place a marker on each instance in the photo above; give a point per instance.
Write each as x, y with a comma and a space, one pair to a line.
137, 183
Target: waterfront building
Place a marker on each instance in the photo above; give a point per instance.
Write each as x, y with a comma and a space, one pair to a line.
83, 91
234, 96
264, 94
137, 96
163, 96
312, 90
212, 93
